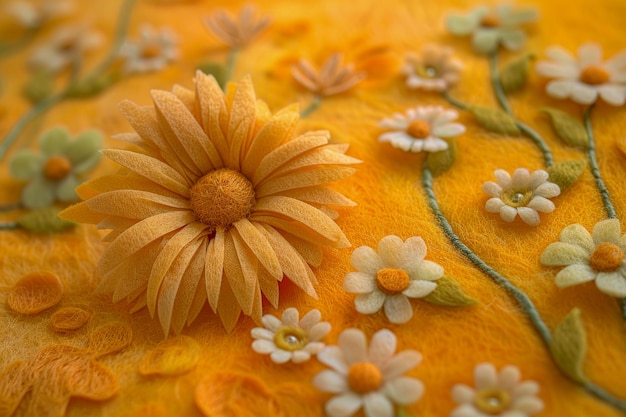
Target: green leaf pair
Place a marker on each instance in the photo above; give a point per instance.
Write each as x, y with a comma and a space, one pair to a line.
449, 293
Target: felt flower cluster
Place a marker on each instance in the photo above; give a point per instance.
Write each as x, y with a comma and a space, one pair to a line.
152, 51
435, 69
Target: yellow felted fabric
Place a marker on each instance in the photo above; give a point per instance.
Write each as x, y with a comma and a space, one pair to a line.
86, 355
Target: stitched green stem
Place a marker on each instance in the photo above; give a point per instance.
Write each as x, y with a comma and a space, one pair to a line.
8, 226
504, 103
519, 296
595, 170
311, 107
456, 103
230, 64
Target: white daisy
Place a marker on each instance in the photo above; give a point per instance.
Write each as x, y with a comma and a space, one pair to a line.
421, 129
33, 16
390, 277
433, 70
491, 27
372, 379
587, 257
585, 78
497, 394
151, 52
64, 47
524, 193
290, 339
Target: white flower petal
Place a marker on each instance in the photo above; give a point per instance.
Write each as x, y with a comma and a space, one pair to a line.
465, 410
574, 275
333, 357
494, 205
310, 319
548, 190
525, 389
557, 70
606, 231
583, 94
537, 178
508, 213
612, 283
513, 39
365, 259
369, 303
529, 215
429, 271
353, 345
291, 316
485, 41
463, 394
271, 322
527, 405
430, 144
412, 253
520, 178
401, 363
280, 356
561, 55
404, 390
389, 248
485, 376
359, 283
560, 88
300, 356
398, 309
449, 130
493, 189
563, 254
419, 288
508, 377
330, 381
263, 347
576, 234
377, 405
541, 204
589, 54
261, 333
382, 347
343, 405
319, 331
503, 178
615, 95
314, 347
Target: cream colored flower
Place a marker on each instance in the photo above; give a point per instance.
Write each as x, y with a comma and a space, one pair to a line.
371, 379
421, 129
433, 70
390, 277
585, 78
291, 339
587, 257
233, 33
524, 193
66, 46
151, 52
34, 15
221, 203
332, 78
497, 394
491, 27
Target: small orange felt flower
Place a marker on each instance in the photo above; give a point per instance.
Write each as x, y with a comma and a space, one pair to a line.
220, 204
332, 78
233, 33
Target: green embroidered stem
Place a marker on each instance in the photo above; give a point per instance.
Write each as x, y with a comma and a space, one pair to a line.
311, 107
456, 103
595, 170
230, 64
8, 225
519, 296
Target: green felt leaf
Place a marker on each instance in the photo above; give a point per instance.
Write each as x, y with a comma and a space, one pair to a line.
564, 174
92, 86
215, 69
39, 87
449, 293
513, 76
44, 221
570, 130
440, 162
402, 412
569, 346
495, 120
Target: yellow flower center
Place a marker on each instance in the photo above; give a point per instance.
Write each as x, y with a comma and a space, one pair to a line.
290, 338
364, 377
492, 400
594, 75
490, 20
222, 197
606, 257
516, 198
151, 50
419, 129
392, 281
57, 167
427, 71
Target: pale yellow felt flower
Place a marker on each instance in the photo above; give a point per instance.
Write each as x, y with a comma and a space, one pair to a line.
237, 33
332, 78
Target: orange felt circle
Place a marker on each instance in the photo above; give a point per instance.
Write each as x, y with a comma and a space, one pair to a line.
69, 318
35, 292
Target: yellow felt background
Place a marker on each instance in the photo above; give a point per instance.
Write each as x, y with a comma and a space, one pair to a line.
390, 201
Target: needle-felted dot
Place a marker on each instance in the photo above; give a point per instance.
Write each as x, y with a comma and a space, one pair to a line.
35, 292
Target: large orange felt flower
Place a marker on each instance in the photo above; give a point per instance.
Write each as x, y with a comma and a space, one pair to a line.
221, 203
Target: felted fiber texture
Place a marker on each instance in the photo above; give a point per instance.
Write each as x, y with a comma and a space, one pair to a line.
128, 367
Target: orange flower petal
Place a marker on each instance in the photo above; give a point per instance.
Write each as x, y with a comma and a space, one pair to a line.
35, 292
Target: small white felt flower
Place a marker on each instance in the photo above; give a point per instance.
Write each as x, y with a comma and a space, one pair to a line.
290, 339
598, 256
497, 394
151, 52
524, 193
585, 78
369, 378
64, 47
33, 16
390, 277
433, 70
421, 129
491, 27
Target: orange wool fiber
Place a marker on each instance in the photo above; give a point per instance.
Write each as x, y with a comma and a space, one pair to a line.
110, 338
35, 292
174, 356
69, 318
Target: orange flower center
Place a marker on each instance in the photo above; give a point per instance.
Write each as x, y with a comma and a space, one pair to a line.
606, 257
68, 45
492, 400
290, 338
594, 75
490, 20
222, 197
419, 129
57, 167
151, 50
391, 280
364, 377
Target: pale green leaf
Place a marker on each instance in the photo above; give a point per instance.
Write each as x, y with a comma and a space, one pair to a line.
569, 346
44, 221
448, 293
564, 174
39, 87
440, 162
570, 130
513, 76
495, 120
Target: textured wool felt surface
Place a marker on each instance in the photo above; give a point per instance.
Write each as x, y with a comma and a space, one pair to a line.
131, 372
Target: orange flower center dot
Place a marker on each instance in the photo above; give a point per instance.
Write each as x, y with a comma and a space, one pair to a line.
290, 338
419, 129
517, 198
490, 21
594, 75
222, 197
364, 377
151, 50
391, 280
606, 257
492, 401
57, 167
